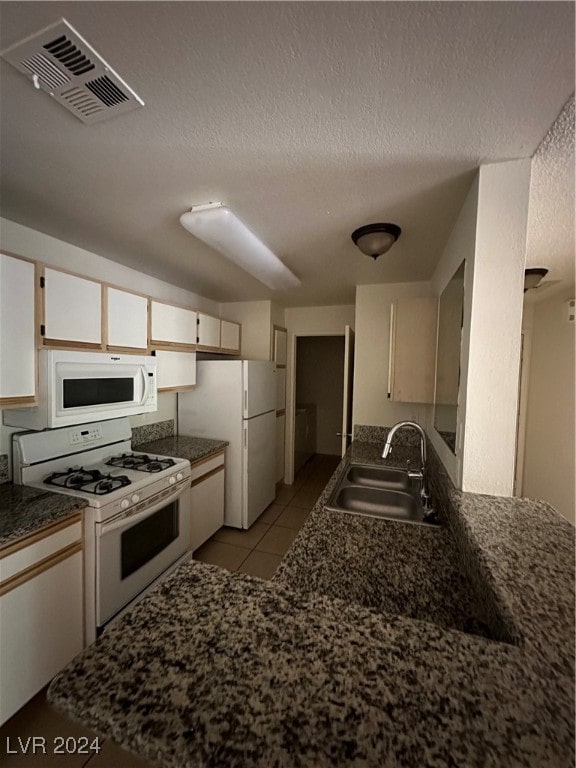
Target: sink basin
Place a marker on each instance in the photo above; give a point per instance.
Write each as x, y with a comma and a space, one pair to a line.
383, 492
378, 477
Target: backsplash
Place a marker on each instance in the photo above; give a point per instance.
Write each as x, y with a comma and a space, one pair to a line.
369, 434
4, 476
148, 432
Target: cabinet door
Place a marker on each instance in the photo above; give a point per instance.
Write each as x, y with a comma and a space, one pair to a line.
279, 350
171, 325
208, 332
206, 507
17, 332
72, 310
230, 336
41, 630
127, 320
412, 350
175, 370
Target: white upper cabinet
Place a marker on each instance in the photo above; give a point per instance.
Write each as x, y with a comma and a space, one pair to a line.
171, 325
17, 331
208, 332
175, 370
72, 310
127, 320
230, 336
279, 351
412, 360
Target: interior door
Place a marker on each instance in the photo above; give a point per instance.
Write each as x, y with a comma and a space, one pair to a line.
348, 386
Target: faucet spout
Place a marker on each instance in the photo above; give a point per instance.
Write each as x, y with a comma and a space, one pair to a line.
388, 449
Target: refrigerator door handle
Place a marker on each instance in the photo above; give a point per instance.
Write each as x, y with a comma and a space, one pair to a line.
245, 437
245, 401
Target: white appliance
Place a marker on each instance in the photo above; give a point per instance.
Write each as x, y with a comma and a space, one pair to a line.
235, 400
80, 387
137, 523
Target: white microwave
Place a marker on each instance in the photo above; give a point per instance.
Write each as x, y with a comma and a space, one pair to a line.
80, 387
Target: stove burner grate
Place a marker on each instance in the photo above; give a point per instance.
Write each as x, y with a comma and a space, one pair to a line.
87, 480
140, 462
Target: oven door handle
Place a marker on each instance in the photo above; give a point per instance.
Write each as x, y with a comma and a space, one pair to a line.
126, 520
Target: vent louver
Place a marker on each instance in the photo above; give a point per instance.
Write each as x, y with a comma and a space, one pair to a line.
63, 64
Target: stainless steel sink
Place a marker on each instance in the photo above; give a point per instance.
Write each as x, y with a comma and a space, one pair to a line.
378, 477
383, 492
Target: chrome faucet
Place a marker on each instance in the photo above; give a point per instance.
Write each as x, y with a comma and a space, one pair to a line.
421, 474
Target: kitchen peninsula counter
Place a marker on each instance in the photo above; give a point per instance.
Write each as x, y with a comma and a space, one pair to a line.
219, 669
25, 510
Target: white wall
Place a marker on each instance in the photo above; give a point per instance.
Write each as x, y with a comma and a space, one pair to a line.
549, 456
460, 247
311, 321
491, 376
256, 319
23, 241
372, 327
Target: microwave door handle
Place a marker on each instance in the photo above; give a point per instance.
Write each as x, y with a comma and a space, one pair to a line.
146, 385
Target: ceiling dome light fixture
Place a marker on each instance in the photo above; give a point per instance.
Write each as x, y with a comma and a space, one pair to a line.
533, 276
376, 239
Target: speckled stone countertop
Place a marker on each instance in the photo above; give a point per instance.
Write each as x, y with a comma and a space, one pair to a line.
222, 670
191, 448
24, 510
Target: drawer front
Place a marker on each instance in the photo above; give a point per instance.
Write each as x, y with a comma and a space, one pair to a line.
204, 466
46, 546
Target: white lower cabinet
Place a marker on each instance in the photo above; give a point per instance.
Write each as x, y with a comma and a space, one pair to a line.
41, 614
207, 499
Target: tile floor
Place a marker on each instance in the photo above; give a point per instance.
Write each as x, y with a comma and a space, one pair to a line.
257, 551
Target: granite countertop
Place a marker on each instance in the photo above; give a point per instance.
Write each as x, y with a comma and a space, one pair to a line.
25, 510
230, 671
184, 447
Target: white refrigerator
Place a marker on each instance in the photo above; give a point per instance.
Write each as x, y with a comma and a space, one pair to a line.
235, 400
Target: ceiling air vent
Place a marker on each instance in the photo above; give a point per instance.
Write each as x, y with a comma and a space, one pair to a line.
60, 62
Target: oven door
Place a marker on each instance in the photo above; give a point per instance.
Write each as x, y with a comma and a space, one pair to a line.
133, 550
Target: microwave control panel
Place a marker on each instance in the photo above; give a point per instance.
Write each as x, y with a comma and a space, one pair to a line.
85, 434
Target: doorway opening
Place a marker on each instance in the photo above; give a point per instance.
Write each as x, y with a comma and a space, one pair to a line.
319, 397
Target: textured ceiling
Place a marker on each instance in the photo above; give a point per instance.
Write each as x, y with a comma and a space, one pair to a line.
307, 119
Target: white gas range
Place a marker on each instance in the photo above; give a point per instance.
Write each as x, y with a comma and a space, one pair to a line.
137, 523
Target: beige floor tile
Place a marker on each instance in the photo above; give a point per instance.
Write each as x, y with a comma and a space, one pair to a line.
293, 517
261, 564
285, 493
113, 756
277, 541
39, 719
240, 538
305, 499
225, 555
271, 513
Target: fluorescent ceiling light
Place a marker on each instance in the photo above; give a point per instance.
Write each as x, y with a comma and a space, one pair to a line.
218, 227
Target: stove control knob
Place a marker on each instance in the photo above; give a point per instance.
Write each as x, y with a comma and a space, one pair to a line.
179, 476
135, 498
124, 503
172, 480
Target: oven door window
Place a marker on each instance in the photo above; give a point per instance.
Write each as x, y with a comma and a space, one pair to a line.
78, 393
143, 541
